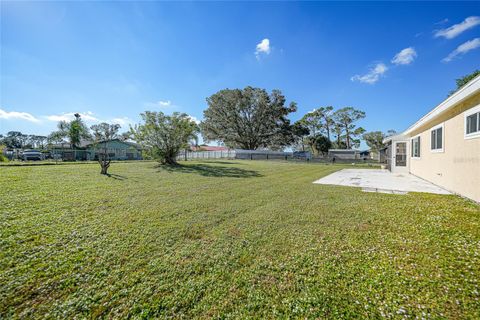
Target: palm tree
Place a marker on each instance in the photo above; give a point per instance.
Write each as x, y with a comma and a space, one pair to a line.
74, 131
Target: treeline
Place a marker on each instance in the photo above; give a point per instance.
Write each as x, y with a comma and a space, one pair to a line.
71, 132
18, 140
325, 128
251, 118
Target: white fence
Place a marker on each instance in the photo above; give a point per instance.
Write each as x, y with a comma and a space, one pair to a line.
230, 154
267, 155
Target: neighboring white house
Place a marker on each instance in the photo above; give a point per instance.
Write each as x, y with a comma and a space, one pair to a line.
443, 147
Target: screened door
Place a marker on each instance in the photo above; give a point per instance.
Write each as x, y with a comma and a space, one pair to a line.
401, 154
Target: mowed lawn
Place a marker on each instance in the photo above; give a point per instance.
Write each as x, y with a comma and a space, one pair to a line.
229, 239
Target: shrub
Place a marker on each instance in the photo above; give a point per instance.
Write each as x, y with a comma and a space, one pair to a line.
3, 158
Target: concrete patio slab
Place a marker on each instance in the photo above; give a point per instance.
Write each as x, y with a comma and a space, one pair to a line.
371, 180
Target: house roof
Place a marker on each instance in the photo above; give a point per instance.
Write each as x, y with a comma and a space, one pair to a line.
396, 137
459, 96
66, 144
133, 144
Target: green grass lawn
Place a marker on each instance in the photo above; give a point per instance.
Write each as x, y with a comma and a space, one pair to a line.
229, 239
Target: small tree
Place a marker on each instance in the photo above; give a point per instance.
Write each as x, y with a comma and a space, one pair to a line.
321, 144
165, 136
374, 140
41, 141
3, 158
299, 132
13, 139
103, 133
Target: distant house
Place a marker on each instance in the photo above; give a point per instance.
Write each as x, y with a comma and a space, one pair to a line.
64, 151
117, 150
382, 155
443, 147
349, 154
366, 154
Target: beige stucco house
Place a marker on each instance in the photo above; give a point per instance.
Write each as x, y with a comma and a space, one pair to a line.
443, 147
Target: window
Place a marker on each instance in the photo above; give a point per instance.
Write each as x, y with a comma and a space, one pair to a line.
436, 139
472, 123
416, 147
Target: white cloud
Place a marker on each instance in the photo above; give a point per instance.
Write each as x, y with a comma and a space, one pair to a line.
456, 29
462, 49
263, 48
14, 115
69, 116
165, 103
194, 119
161, 104
442, 21
373, 74
121, 121
404, 57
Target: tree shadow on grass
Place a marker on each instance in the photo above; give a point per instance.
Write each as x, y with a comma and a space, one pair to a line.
215, 161
207, 170
116, 176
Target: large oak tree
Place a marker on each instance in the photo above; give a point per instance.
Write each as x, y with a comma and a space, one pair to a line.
248, 119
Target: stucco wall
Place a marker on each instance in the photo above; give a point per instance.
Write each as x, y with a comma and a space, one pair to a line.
457, 168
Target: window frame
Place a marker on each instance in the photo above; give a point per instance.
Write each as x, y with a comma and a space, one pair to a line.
442, 149
419, 146
468, 113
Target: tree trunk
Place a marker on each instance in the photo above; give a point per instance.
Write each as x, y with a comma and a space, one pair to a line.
104, 164
347, 137
170, 159
104, 169
104, 160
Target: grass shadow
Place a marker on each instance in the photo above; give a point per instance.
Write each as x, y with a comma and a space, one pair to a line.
207, 170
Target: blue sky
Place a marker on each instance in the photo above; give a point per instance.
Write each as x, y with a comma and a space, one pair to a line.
112, 60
